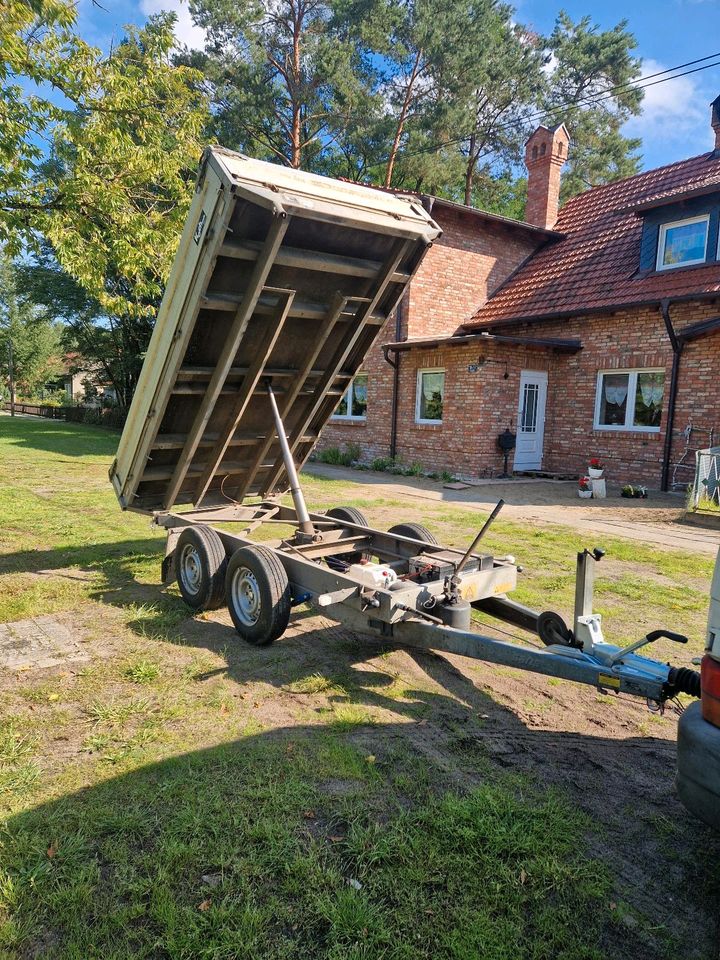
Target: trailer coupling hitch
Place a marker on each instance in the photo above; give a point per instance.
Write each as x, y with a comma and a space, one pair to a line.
649, 638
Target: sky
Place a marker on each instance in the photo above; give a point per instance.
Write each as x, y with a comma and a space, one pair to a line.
675, 119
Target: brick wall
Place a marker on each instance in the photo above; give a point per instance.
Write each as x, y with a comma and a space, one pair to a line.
623, 340
481, 404
468, 263
471, 259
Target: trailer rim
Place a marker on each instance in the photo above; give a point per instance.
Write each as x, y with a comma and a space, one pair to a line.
245, 593
190, 569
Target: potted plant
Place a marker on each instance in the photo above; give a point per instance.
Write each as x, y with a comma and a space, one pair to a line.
584, 488
637, 492
595, 468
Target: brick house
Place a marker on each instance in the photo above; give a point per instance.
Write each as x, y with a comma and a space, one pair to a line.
595, 332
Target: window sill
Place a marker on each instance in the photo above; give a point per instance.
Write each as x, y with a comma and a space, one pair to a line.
347, 421
428, 423
627, 432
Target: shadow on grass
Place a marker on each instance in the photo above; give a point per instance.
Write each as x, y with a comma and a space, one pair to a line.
291, 844
468, 834
115, 558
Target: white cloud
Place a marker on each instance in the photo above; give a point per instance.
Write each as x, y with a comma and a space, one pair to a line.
185, 30
675, 116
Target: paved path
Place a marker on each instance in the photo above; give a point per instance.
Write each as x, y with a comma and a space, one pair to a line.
655, 520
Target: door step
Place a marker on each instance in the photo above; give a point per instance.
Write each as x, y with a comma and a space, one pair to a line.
545, 475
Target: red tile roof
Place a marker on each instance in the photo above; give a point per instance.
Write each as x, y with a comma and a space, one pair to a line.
596, 265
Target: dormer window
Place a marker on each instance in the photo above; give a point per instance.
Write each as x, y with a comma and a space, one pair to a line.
683, 243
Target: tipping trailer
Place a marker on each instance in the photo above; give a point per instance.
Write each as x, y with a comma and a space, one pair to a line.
281, 284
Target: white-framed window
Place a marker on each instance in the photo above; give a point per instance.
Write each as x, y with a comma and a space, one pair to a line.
629, 400
353, 403
683, 243
430, 395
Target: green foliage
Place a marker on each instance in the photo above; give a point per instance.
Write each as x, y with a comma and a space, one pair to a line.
341, 458
587, 62
101, 172
420, 95
290, 76
29, 333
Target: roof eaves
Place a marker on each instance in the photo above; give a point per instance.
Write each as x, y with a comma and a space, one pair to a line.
491, 324
675, 197
562, 344
497, 218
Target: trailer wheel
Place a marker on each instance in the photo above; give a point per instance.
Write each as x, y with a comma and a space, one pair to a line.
349, 515
200, 563
258, 595
552, 629
416, 531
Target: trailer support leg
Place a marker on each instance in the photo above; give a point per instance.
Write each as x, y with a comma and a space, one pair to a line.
305, 523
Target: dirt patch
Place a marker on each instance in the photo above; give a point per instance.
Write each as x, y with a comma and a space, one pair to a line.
655, 520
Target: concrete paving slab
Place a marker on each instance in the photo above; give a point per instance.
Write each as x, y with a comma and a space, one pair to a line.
36, 643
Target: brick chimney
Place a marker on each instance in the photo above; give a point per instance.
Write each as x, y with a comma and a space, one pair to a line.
545, 153
715, 122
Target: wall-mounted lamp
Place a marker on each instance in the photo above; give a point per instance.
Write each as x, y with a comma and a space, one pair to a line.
481, 361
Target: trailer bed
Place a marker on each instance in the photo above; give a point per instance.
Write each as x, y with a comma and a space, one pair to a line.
281, 277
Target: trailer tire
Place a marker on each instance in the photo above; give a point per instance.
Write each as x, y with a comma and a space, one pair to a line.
349, 515
258, 595
200, 563
416, 531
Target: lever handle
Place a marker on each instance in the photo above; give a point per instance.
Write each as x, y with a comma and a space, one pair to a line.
675, 637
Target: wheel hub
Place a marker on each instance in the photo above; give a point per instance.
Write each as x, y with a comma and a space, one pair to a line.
246, 596
190, 569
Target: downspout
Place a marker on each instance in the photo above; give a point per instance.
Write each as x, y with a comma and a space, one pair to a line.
395, 364
677, 348
400, 315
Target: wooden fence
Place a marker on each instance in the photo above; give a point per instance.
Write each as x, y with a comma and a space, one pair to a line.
97, 416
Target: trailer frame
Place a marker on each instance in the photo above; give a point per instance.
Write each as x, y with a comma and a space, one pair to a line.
432, 614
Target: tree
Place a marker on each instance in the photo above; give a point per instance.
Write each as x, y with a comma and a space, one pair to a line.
287, 76
591, 90
435, 51
27, 335
113, 345
503, 88
98, 158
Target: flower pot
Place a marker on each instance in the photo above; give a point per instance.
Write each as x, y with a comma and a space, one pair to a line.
584, 494
595, 473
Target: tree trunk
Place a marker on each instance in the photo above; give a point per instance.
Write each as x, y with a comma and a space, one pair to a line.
401, 120
470, 171
296, 133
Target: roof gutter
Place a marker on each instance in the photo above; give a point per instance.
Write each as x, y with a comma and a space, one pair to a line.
474, 326
677, 345
559, 344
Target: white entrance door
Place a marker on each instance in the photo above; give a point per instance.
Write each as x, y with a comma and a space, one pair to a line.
530, 420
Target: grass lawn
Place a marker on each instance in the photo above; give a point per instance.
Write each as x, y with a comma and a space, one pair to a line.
178, 794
